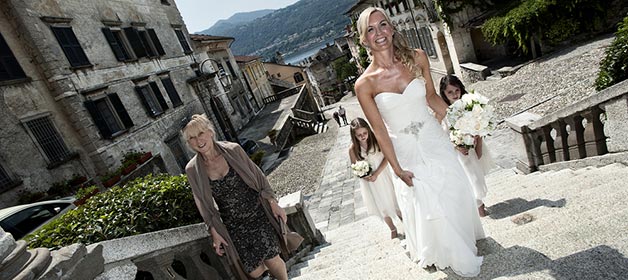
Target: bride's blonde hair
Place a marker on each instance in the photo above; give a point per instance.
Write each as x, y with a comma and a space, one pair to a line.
401, 49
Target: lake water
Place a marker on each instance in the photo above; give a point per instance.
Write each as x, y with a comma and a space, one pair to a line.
295, 58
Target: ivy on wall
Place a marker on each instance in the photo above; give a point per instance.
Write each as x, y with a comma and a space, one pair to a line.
614, 66
524, 21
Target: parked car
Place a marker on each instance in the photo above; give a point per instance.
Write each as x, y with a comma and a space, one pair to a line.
23, 219
249, 146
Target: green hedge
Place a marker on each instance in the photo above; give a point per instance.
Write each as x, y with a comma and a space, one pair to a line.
144, 205
614, 66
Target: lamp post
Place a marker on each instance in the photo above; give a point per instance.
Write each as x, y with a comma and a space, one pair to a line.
225, 78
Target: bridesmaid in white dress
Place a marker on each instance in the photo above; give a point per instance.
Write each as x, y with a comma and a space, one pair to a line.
477, 162
377, 188
439, 212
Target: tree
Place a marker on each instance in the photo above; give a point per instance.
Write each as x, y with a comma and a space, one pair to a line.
345, 70
614, 66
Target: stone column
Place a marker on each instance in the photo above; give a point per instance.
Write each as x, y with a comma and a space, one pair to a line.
615, 126
529, 151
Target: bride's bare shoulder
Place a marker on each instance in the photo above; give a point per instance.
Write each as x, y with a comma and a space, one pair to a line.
365, 84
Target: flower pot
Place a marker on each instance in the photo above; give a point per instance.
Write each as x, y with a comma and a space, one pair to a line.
84, 199
145, 157
77, 181
112, 181
129, 169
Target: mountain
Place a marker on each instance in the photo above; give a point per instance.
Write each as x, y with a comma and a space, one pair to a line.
236, 19
292, 29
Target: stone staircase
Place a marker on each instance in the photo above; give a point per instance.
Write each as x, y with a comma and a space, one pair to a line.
567, 224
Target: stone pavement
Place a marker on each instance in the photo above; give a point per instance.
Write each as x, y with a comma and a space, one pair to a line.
338, 200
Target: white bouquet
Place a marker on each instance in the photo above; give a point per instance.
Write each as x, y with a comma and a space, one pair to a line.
468, 117
361, 168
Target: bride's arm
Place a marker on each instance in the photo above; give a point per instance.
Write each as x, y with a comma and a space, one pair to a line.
365, 98
433, 100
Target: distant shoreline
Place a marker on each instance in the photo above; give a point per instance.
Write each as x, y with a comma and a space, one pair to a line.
295, 58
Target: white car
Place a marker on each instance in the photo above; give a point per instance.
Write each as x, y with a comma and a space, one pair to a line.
23, 219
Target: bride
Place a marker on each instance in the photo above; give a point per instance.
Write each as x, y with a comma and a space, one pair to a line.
436, 201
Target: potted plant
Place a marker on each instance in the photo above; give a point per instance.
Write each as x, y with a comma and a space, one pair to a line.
77, 179
83, 194
145, 157
110, 178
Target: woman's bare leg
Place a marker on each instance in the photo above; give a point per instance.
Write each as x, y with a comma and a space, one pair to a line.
391, 225
277, 268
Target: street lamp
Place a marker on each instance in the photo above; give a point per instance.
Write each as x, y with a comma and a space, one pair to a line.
225, 78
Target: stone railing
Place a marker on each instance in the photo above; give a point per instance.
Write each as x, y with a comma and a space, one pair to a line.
281, 95
594, 126
179, 253
305, 115
284, 135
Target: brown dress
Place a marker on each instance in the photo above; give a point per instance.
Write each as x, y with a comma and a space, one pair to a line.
245, 219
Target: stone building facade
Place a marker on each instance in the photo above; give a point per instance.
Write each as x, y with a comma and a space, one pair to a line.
216, 56
447, 48
255, 76
290, 76
84, 82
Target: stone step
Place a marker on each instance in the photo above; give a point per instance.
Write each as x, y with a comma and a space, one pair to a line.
578, 210
584, 236
562, 181
549, 199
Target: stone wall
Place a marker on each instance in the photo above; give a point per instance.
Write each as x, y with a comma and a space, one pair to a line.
57, 90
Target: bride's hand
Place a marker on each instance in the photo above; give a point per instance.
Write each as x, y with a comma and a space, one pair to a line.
406, 177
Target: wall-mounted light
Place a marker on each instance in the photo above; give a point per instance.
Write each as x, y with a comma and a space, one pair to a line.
225, 78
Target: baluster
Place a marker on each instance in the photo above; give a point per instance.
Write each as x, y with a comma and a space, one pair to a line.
562, 147
598, 130
550, 155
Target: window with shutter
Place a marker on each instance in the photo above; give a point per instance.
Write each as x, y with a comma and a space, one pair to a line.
176, 147
136, 43
70, 46
109, 115
151, 51
117, 43
172, 92
155, 40
10, 69
152, 99
183, 41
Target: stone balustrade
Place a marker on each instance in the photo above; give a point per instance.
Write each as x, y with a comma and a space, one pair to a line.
592, 127
178, 253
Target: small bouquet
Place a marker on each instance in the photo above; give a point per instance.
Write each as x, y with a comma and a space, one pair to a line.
361, 168
468, 117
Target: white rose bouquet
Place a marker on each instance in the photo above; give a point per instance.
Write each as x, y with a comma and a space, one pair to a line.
468, 117
361, 168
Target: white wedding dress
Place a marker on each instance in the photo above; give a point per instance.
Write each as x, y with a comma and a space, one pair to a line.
439, 213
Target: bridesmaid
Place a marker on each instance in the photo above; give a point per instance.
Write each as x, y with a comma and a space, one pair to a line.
377, 188
476, 162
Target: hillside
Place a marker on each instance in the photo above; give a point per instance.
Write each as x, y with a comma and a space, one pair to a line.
290, 29
224, 25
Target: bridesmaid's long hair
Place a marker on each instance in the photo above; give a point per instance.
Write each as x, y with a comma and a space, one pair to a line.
371, 142
401, 50
450, 80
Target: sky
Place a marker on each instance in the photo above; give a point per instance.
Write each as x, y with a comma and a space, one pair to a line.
202, 14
